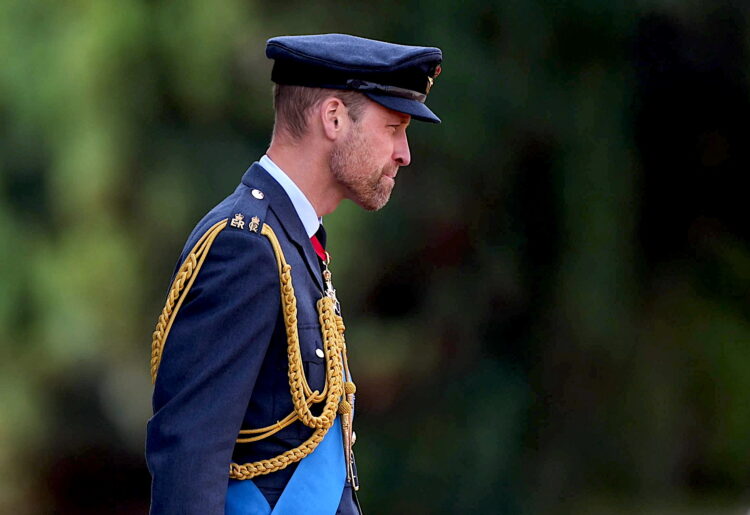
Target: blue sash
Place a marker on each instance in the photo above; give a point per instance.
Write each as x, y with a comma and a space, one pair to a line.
315, 487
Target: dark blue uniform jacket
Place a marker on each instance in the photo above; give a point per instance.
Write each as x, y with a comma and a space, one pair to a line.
224, 364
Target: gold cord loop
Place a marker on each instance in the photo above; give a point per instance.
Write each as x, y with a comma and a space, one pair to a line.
303, 397
180, 287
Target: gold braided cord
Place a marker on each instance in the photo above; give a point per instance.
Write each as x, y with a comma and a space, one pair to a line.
180, 287
257, 468
302, 396
265, 432
251, 470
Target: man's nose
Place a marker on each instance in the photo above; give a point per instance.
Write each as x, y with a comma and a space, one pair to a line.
401, 152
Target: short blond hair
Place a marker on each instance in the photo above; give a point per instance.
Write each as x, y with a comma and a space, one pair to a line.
292, 105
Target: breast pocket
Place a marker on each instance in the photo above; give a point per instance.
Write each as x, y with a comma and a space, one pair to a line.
311, 349
313, 363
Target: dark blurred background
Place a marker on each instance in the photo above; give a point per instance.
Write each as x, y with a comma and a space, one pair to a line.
551, 316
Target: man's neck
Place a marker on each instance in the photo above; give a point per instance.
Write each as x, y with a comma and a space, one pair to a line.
308, 167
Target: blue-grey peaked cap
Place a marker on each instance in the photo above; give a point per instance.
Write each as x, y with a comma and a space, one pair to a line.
398, 77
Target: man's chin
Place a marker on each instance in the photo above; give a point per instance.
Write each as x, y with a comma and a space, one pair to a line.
368, 206
373, 204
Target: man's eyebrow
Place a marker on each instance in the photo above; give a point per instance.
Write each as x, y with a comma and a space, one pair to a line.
397, 118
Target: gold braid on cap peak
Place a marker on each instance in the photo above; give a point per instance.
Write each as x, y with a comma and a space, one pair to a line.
303, 397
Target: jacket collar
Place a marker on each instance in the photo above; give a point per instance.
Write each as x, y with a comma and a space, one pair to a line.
258, 178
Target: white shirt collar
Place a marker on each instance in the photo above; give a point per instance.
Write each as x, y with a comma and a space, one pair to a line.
305, 210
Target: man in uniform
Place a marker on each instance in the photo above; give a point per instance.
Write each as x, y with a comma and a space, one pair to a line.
253, 398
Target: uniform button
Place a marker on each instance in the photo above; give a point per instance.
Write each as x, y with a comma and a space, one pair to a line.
319, 353
258, 194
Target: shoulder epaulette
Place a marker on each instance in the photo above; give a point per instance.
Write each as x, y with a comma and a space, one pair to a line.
249, 211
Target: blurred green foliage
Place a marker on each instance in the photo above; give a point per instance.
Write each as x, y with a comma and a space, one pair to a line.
551, 315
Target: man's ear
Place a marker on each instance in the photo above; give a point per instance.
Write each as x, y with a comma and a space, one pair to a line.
334, 117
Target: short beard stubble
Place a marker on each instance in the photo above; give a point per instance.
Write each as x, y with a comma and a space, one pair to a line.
353, 167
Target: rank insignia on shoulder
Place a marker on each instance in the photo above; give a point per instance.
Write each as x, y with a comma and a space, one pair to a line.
238, 221
254, 224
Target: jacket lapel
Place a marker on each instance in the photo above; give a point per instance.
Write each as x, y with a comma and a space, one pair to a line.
257, 177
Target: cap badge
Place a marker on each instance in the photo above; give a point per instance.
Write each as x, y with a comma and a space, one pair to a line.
238, 221
431, 80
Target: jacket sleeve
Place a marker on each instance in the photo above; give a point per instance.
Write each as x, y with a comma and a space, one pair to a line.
209, 366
